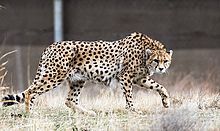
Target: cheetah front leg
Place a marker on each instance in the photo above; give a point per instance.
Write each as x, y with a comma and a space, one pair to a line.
149, 83
72, 100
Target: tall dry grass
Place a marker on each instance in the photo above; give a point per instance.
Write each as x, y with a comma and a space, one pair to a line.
4, 71
195, 106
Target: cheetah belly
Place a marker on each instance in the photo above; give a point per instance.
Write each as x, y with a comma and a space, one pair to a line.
77, 76
96, 71
102, 75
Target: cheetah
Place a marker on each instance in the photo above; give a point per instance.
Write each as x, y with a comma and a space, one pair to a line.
130, 60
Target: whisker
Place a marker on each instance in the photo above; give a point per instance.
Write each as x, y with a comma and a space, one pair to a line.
167, 72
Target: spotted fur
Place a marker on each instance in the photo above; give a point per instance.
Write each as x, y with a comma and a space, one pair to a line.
131, 60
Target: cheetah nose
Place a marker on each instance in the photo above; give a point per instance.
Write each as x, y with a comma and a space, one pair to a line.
160, 69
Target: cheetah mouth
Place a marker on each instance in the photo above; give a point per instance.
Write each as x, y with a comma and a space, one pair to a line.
160, 72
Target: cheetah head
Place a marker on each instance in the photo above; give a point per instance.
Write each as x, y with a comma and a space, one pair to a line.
158, 60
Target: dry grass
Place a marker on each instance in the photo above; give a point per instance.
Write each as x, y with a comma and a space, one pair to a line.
3, 70
197, 108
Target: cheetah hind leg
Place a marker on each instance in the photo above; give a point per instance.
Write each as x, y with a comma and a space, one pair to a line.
36, 90
27, 101
72, 100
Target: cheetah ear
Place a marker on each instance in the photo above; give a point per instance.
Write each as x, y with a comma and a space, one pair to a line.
170, 52
148, 51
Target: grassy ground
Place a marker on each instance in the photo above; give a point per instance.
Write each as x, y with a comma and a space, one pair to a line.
191, 109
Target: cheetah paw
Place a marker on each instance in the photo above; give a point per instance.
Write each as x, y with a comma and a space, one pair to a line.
166, 102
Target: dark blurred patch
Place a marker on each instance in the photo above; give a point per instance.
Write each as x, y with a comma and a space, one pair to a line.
16, 115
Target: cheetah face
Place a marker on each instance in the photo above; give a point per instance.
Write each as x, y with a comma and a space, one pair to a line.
158, 60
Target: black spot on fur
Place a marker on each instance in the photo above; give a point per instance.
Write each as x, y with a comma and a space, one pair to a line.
152, 82
11, 97
23, 95
18, 98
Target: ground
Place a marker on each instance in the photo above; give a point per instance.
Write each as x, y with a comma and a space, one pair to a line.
195, 106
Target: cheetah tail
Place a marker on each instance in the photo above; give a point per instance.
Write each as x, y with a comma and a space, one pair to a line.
13, 99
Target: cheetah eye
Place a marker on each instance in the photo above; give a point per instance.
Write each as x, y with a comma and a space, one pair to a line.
155, 60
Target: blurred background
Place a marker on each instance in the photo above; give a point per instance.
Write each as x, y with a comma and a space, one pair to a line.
191, 28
